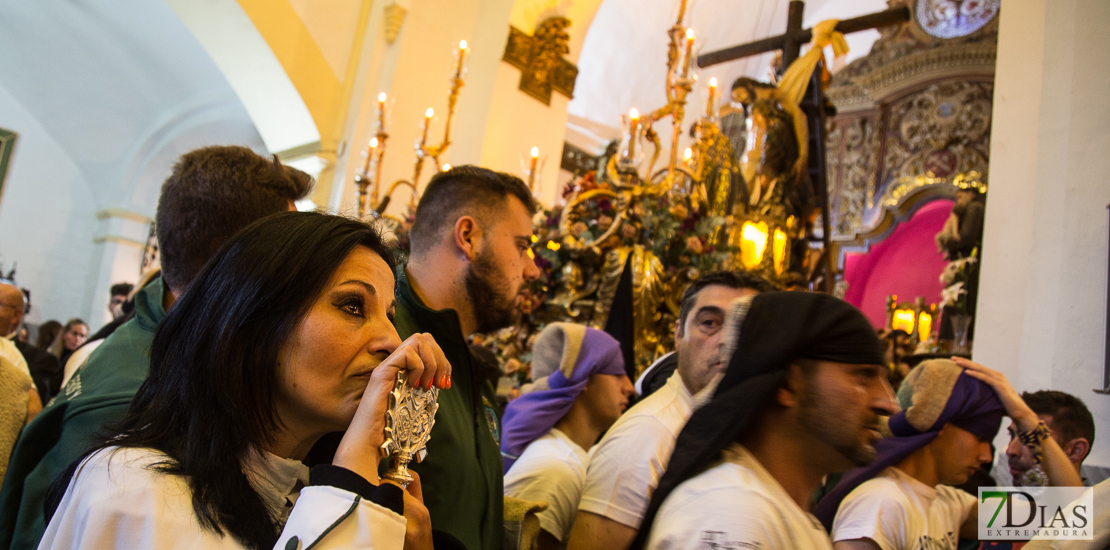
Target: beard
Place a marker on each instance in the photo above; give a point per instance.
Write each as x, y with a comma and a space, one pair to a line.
493, 301
823, 419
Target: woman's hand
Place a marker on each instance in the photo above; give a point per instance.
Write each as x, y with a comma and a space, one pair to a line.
418, 525
1024, 418
426, 365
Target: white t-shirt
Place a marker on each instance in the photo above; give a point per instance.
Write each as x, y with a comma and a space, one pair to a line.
735, 505
899, 512
132, 506
626, 465
551, 469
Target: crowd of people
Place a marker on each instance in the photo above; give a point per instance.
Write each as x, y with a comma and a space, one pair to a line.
239, 400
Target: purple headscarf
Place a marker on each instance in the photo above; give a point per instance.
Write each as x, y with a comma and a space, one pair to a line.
936, 393
564, 357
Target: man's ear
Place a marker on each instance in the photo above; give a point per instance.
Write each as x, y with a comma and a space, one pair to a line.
1077, 449
466, 236
787, 396
677, 331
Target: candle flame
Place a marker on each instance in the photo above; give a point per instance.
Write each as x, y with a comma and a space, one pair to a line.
713, 82
689, 154
446, 167
462, 44
429, 112
689, 34
634, 113
535, 152
381, 97
373, 142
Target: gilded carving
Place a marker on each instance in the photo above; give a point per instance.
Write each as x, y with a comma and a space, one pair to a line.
540, 59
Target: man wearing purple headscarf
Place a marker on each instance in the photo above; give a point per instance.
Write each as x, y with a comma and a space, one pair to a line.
579, 389
903, 500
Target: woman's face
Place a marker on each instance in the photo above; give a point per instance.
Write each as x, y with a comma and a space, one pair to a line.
75, 336
324, 368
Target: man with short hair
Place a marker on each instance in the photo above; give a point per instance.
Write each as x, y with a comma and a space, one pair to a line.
117, 297
801, 398
1070, 424
471, 258
212, 193
628, 462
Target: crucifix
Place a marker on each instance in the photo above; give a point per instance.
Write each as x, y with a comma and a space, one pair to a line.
813, 104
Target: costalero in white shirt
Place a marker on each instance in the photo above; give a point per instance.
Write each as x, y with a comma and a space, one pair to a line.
626, 465
551, 469
732, 506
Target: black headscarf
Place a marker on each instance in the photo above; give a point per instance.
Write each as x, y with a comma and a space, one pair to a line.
778, 328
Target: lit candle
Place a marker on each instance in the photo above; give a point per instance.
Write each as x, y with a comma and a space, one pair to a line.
427, 123
462, 56
689, 52
446, 167
710, 108
633, 130
532, 170
369, 154
687, 155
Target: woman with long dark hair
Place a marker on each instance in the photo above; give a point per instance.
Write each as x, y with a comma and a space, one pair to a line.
285, 336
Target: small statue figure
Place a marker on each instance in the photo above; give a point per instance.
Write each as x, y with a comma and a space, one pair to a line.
775, 155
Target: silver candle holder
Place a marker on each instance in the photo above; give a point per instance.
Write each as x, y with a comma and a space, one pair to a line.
408, 427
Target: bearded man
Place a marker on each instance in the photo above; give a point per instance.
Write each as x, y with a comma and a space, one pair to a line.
470, 260
801, 398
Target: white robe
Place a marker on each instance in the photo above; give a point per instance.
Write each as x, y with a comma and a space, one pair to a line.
115, 500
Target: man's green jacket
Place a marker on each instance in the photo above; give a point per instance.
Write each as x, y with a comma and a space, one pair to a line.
461, 477
97, 395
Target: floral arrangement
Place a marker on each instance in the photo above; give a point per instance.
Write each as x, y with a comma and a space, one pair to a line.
955, 278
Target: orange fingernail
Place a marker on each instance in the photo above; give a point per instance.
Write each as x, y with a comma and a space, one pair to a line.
448, 382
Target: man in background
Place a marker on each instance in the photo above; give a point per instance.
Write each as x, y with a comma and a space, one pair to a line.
118, 296
1070, 424
628, 462
471, 259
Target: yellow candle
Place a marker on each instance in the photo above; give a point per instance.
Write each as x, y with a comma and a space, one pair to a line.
633, 131
381, 112
462, 56
532, 171
709, 109
689, 52
427, 123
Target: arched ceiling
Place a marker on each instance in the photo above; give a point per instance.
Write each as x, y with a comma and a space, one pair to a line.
113, 83
623, 59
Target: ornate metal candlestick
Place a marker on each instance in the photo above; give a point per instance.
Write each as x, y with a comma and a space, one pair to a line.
679, 85
408, 427
423, 150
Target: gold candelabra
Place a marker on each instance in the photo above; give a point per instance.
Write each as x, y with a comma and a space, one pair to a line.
376, 149
679, 85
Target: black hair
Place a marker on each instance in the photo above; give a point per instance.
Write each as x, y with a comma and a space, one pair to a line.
1070, 416
732, 279
212, 193
121, 289
462, 191
208, 402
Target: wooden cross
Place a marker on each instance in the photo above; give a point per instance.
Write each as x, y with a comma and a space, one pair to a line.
813, 104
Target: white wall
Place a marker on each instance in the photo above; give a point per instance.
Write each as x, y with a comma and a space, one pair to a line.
105, 97
1042, 308
47, 217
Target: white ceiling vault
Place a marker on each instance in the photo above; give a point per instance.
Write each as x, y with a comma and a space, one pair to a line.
623, 59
